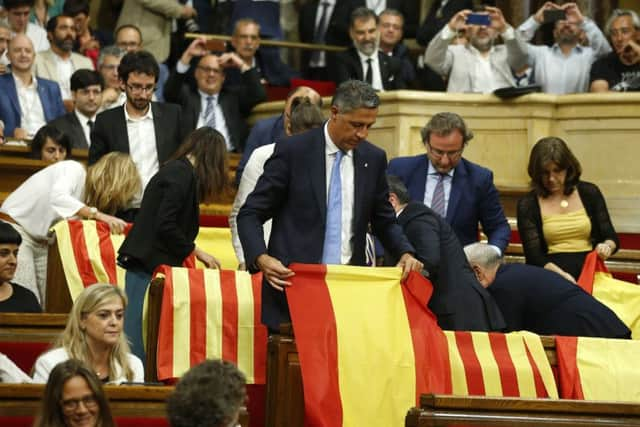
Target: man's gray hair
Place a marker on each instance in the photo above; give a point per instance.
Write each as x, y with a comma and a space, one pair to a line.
445, 123
617, 13
483, 255
112, 50
354, 94
363, 13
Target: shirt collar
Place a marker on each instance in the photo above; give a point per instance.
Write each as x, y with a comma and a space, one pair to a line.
82, 118
204, 95
363, 57
577, 48
432, 170
34, 82
330, 147
128, 118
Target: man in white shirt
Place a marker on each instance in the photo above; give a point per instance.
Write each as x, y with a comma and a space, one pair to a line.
59, 62
479, 66
18, 19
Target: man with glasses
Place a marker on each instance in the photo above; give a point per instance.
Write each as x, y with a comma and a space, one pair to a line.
459, 190
208, 103
149, 131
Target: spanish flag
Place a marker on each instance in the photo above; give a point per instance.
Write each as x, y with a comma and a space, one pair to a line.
211, 314
623, 298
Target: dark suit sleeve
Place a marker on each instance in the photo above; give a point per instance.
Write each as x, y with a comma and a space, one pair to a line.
494, 223
251, 92
99, 140
529, 228
397, 72
175, 86
172, 202
424, 235
340, 70
599, 214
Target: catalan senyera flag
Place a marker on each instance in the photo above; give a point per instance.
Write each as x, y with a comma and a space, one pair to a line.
211, 314
623, 298
598, 368
368, 347
502, 365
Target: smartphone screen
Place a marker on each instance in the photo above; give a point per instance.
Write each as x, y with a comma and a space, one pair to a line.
479, 19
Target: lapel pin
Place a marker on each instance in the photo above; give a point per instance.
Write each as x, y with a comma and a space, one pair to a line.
366, 164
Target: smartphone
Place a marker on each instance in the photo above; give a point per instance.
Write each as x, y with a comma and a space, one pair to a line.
216, 45
553, 15
479, 19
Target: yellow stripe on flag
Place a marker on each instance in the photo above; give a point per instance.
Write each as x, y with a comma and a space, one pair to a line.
214, 313
359, 320
524, 373
217, 242
608, 369
458, 378
534, 344
488, 364
71, 272
182, 317
621, 297
244, 291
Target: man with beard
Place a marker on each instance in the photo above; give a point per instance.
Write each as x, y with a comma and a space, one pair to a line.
479, 66
86, 91
59, 62
564, 67
364, 61
620, 70
149, 131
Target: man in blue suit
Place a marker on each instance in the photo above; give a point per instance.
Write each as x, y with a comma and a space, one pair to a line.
321, 213
457, 189
27, 102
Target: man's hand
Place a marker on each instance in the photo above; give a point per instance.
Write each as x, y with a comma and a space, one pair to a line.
207, 259
21, 134
232, 60
273, 270
498, 22
409, 263
573, 13
539, 16
198, 47
188, 12
459, 20
116, 225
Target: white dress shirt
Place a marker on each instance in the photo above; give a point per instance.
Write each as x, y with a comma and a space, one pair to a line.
11, 373
347, 180
85, 127
142, 147
376, 81
432, 180
31, 110
221, 123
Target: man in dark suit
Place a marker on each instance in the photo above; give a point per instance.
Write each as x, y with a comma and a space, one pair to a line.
207, 103
364, 61
391, 24
150, 132
534, 299
458, 301
457, 189
86, 92
321, 212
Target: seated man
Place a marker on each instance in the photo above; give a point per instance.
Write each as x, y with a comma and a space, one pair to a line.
391, 29
458, 300
207, 103
108, 61
480, 66
27, 102
541, 301
13, 297
619, 71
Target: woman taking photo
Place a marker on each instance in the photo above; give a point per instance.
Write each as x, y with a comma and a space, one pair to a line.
73, 397
563, 218
94, 335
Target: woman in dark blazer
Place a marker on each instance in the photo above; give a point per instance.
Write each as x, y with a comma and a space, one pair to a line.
562, 218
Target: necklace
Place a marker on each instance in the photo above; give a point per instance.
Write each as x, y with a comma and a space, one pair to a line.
564, 203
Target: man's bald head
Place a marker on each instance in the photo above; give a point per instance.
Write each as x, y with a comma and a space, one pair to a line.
21, 53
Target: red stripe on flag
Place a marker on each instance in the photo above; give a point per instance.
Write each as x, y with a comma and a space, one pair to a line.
541, 390
259, 333
592, 265
79, 245
433, 369
570, 383
197, 317
507, 369
314, 326
472, 369
229, 316
107, 252
165, 328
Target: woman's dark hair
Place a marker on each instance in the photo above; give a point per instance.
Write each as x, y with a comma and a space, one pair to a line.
138, 62
207, 148
552, 150
51, 414
53, 133
9, 235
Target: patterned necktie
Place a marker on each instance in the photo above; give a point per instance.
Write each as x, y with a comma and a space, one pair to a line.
332, 249
369, 76
210, 112
437, 201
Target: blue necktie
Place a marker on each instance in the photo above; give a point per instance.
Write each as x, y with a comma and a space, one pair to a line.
332, 249
437, 201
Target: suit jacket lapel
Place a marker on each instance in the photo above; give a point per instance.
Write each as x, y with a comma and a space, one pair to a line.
353, 53
360, 166
45, 100
383, 60
158, 128
77, 128
13, 97
457, 185
121, 132
317, 171
50, 65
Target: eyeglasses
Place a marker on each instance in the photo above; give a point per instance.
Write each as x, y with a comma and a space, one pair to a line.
452, 155
135, 88
89, 401
209, 70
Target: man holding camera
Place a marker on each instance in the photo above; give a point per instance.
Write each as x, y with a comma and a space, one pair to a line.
480, 66
564, 67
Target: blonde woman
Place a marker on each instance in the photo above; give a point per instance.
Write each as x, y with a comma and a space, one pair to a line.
94, 334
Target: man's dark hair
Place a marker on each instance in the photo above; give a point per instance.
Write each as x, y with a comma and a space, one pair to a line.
84, 78
74, 8
397, 187
392, 12
138, 62
12, 4
362, 13
52, 23
45, 133
444, 124
208, 395
354, 94
9, 235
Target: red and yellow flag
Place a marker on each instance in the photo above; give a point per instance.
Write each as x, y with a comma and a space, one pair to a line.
211, 314
494, 364
623, 298
598, 368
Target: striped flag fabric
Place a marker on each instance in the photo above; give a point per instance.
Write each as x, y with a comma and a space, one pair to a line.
623, 298
500, 365
211, 314
598, 369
